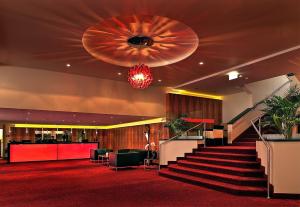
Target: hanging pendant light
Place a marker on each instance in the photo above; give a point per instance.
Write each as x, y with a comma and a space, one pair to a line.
139, 76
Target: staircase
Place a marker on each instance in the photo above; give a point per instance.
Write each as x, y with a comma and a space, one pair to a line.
233, 168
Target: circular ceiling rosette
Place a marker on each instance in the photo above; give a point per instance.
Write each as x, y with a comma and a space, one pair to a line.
166, 41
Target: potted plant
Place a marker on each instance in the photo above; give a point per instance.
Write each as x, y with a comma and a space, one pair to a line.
178, 125
282, 113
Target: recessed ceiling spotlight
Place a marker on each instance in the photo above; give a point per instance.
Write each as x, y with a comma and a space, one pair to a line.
119, 73
240, 76
159, 80
233, 75
246, 78
68, 65
201, 63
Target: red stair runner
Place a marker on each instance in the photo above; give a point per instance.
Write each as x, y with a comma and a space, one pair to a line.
233, 169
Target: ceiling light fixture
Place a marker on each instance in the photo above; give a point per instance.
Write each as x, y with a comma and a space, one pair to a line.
119, 73
68, 65
139, 76
233, 75
159, 80
201, 63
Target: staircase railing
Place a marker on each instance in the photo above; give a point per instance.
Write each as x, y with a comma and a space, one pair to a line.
179, 135
268, 147
243, 121
240, 115
272, 94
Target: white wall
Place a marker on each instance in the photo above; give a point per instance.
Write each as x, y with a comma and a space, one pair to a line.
234, 104
26, 88
285, 167
262, 89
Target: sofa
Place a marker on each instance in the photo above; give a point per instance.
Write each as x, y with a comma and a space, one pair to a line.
127, 158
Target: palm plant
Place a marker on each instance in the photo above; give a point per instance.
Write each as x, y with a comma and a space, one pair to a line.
281, 113
178, 125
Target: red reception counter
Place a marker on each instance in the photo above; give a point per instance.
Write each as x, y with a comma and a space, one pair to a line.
47, 152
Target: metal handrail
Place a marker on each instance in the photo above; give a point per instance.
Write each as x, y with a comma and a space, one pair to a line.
272, 94
258, 131
267, 97
268, 146
178, 135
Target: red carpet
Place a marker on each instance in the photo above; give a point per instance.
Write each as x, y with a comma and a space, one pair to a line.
233, 169
81, 183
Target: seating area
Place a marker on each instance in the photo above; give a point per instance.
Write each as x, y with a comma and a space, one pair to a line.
149, 103
124, 158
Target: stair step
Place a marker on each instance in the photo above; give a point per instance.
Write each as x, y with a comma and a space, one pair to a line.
224, 169
233, 156
227, 162
233, 179
233, 149
217, 185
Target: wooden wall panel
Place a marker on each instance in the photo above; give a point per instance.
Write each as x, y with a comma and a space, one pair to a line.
194, 107
132, 137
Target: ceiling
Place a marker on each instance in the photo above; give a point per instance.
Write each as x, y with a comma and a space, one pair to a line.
59, 117
47, 35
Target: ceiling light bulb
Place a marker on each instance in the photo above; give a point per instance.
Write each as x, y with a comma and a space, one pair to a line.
159, 80
68, 65
119, 73
201, 63
233, 75
139, 76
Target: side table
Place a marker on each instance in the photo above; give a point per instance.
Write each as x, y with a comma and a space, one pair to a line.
103, 159
148, 162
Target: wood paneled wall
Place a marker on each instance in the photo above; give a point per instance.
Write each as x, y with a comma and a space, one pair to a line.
194, 107
132, 137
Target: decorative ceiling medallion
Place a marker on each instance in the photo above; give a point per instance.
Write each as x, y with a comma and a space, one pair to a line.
152, 40
140, 76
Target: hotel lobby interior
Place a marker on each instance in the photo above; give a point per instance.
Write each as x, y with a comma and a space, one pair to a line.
150, 103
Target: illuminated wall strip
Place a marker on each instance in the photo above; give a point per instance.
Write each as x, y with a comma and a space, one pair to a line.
189, 93
136, 123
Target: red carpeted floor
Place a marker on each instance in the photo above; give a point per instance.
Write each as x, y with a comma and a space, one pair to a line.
81, 183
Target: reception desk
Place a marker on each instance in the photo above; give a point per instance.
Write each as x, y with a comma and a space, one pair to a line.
47, 152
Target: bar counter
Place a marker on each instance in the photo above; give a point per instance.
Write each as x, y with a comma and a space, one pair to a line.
21, 152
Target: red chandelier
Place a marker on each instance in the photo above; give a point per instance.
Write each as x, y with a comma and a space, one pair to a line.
139, 76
